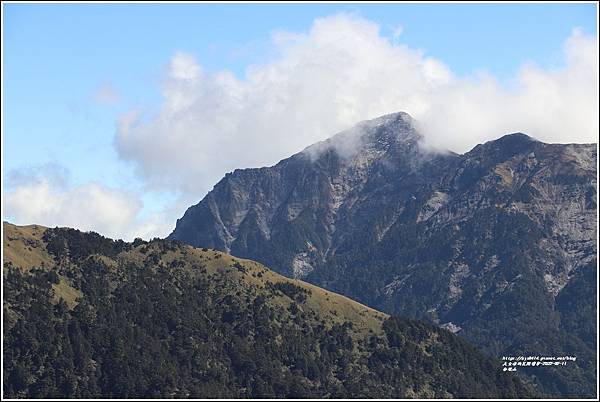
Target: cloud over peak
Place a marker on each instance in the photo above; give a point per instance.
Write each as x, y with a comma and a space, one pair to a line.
320, 82
323, 81
338, 73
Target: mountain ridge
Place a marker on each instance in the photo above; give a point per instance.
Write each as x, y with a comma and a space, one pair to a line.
161, 319
512, 215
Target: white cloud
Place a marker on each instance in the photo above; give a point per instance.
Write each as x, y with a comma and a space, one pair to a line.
340, 72
558, 105
106, 94
322, 82
47, 199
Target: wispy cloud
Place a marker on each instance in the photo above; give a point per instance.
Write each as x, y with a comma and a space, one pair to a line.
105, 94
396, 32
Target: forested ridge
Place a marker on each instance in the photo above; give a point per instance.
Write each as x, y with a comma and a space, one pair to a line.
160, 319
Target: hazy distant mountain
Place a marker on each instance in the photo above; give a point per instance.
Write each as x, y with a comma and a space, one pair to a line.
497, 244
88, 317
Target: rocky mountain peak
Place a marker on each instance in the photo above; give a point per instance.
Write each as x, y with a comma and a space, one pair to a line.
453, 239
505, 146
393, 132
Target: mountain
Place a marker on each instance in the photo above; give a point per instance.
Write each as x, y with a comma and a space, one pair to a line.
497, 244
89, 317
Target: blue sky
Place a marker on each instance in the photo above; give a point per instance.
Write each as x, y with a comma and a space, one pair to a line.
59, 57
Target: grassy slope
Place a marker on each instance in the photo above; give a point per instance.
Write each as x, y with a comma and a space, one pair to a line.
25, 248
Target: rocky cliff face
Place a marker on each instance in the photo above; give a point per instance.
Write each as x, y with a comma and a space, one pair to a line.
498, 244
316, 194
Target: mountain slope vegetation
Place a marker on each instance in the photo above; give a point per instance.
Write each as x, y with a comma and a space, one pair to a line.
89, 317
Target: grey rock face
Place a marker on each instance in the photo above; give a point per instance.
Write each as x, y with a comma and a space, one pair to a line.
498, 244
317, 192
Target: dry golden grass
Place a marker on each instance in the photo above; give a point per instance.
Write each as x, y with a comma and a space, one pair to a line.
328, 306
69, 294
23, 246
